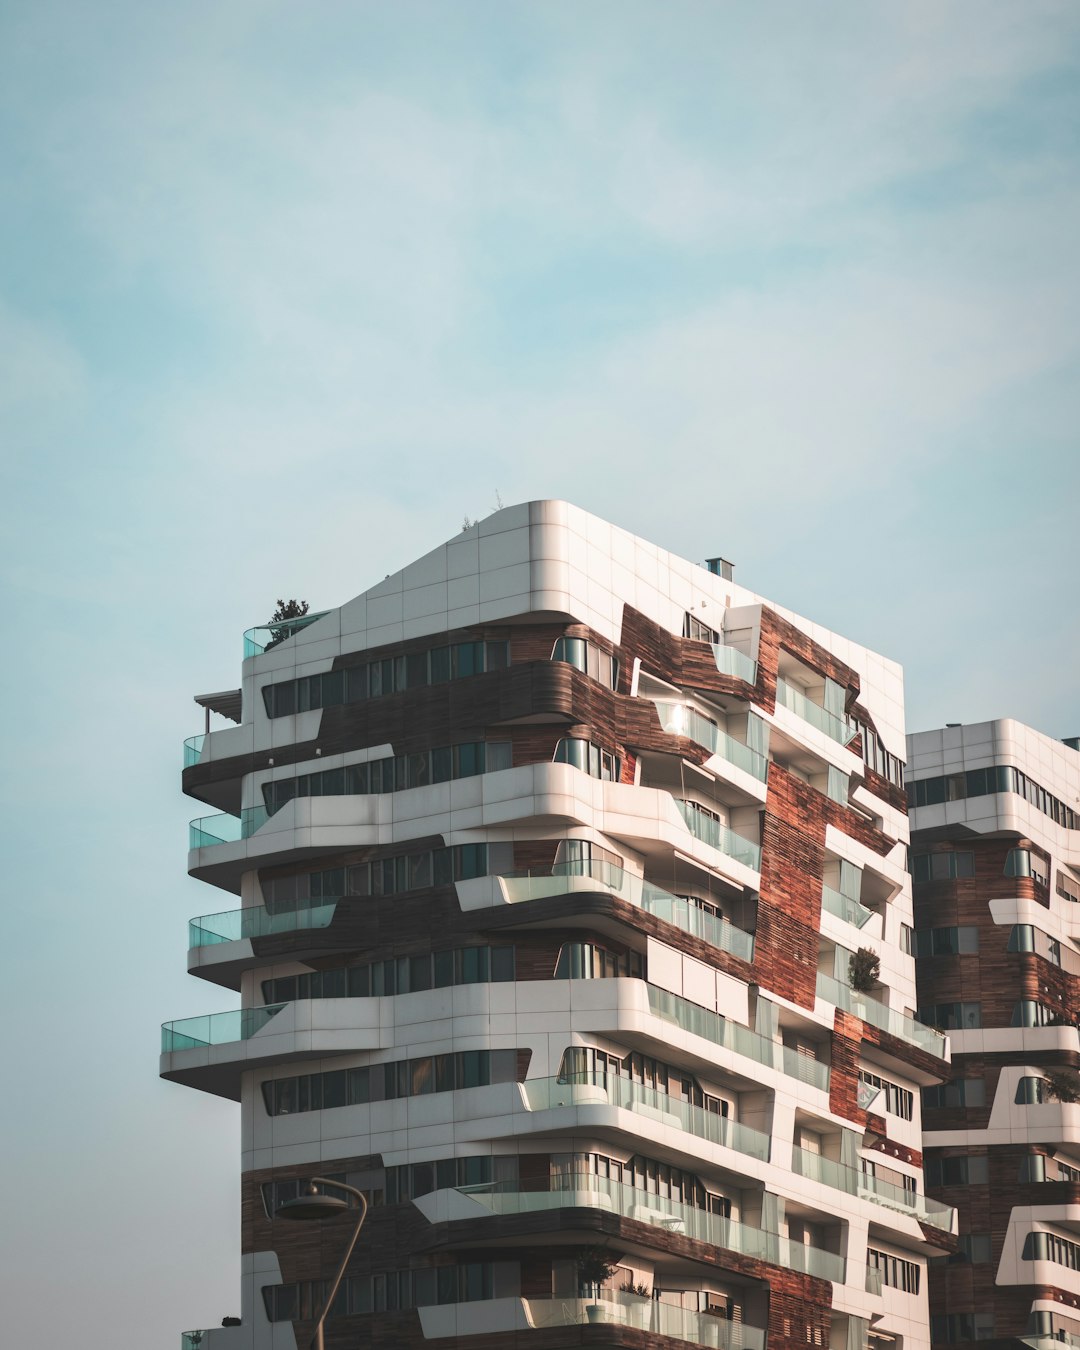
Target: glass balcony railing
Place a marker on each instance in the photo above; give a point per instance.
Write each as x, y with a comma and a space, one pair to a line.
267, 635
717, 835
590, 1089
226, 829
673, 909
854, 1182
837, 728
845, 908
192, 1340
878, 1015
257, 921
680, 720
586, 1191
193, 749
216, 1028
734, 1036
729, 661
649, 1315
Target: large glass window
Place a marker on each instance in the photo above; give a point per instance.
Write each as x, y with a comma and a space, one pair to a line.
958, 1171
955, 941
395, 773
587, 656
945, 866
952, 1016
387, 675
960, 1092
404, 975
384, 1082
591, 759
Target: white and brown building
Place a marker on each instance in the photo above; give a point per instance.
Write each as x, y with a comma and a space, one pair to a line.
995, 859
540, 872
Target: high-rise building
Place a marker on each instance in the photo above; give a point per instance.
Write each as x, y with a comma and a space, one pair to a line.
565, 894
995, 858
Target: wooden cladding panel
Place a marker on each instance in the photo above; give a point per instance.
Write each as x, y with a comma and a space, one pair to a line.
993, 977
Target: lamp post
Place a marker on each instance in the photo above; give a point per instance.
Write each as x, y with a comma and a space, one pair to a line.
315, 1205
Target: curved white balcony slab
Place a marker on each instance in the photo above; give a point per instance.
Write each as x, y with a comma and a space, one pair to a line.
304, 1030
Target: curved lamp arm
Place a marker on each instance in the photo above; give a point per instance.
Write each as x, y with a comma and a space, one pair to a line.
317, 1338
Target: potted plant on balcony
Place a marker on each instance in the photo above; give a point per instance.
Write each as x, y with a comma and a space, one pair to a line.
595, 1267
864, 967
286, 610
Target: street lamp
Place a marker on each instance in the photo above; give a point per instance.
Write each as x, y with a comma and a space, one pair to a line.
315, 1205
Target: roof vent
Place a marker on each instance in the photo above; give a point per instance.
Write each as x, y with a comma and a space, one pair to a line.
720, 567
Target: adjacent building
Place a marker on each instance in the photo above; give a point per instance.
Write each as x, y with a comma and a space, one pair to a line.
543, 870
995, 858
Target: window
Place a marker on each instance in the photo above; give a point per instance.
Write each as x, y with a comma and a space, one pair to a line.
1050, 1247
392, 774
1068, 888
984, 782
587, 656
895, 1271
1029, 1013
953, 1327
1031, 1091
390, 1292
1068, 1172
958, 941
960, 1092
947, 866
276, 1193
876, 757
700, 632
898, 1101
581, 858
386, 876
973, 1250
1032, 1167
952, 1016
907, 939
388, 675
403, 975
586, 961
960, 1171
589, 758
383, 1082
1023, 862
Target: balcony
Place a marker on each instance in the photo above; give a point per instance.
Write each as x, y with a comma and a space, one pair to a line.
878, 1015
193, 752
680, 720
854, 1182
586, 1191
226, 829
259, 640
593, 1089
224, 1028
717, 835
850, 911
566, 878
734, 1036
645, 1314
730, 661
232, 925
836, 728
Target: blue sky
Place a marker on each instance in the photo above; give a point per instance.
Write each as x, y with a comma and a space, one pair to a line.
287, 290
